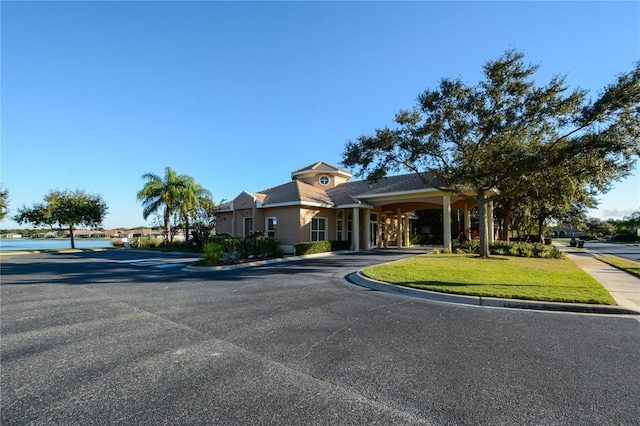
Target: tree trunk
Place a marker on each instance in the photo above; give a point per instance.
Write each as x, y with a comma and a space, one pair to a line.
506, 226
540, 225
167, 226
186, 228
482, 225
73, 243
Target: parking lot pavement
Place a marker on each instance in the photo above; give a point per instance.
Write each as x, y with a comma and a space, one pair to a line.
86, 340
160, 263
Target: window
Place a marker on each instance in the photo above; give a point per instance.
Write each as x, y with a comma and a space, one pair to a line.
318, 228
270, 227
343, 233
324, 180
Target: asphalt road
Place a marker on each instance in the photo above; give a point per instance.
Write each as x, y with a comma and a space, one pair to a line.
621, 250
89, 340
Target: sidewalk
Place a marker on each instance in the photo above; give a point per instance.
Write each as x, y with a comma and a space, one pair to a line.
623, 287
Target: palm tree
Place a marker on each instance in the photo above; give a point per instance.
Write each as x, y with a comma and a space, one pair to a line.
169, 194
192, 193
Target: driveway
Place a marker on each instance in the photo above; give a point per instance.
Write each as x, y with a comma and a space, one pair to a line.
91, 338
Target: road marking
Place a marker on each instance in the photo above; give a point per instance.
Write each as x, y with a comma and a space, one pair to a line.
168, 265
159, 263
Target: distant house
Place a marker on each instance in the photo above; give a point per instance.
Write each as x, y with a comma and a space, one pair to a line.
11, 236
322, 203
85, 233
132, 233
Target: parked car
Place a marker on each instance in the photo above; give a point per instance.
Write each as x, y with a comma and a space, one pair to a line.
625, 237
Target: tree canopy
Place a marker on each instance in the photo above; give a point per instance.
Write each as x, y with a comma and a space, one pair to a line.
507, 133
4, 206
171, 194
66, 209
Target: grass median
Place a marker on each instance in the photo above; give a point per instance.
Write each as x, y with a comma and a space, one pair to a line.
498, 276
626, 265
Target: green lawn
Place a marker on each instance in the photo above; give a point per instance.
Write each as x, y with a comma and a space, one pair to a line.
499, 276
626, 265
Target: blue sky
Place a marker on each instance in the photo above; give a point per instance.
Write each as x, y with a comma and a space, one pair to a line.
239, 94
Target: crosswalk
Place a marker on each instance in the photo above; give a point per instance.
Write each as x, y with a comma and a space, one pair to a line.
160, 263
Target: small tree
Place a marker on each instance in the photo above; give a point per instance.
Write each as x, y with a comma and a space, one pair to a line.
66, 209
204, 216
4, 208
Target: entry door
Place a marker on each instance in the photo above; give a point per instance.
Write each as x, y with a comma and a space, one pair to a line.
248, 226
373, 230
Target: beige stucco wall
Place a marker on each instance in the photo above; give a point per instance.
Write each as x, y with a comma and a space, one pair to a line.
223, 222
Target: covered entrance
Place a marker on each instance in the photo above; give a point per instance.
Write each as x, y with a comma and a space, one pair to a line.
387, 217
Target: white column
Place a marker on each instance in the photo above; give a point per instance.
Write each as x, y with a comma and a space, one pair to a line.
446, 221
385, 234
367, 229
490, 221
406, 230
233, 223
356, 229
399, 228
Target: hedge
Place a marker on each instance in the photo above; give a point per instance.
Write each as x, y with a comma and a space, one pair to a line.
312, 247
517, 249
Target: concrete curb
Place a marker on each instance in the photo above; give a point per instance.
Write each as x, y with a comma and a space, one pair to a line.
493, 302
261, 262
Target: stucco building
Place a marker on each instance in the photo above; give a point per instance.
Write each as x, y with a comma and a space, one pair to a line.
321, 202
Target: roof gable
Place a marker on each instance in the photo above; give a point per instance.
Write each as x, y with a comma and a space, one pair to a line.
294, 192
321, 167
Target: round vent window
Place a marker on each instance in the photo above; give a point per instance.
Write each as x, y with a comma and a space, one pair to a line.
324, 180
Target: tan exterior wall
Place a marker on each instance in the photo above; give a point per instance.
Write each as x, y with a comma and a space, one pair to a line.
314, 180
223, 222
293, 223
287, 231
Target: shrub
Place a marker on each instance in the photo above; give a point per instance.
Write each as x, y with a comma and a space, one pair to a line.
424, 239
470, 246
213, 254
256, 245
146, 242
340, 245
311, 247
513, 248
117, 242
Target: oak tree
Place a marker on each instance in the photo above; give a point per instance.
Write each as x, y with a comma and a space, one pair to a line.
66, 209
500, 133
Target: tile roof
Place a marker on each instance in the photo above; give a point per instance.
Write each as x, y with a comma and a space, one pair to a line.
292, 192
350, 192
347, 193
343, 194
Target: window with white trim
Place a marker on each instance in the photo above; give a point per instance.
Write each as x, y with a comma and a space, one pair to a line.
324, 180
339, 225
270, 227
319, 229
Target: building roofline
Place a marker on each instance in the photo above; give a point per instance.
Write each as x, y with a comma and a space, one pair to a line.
297, 203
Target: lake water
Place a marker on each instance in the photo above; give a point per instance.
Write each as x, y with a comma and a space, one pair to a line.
7, 244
